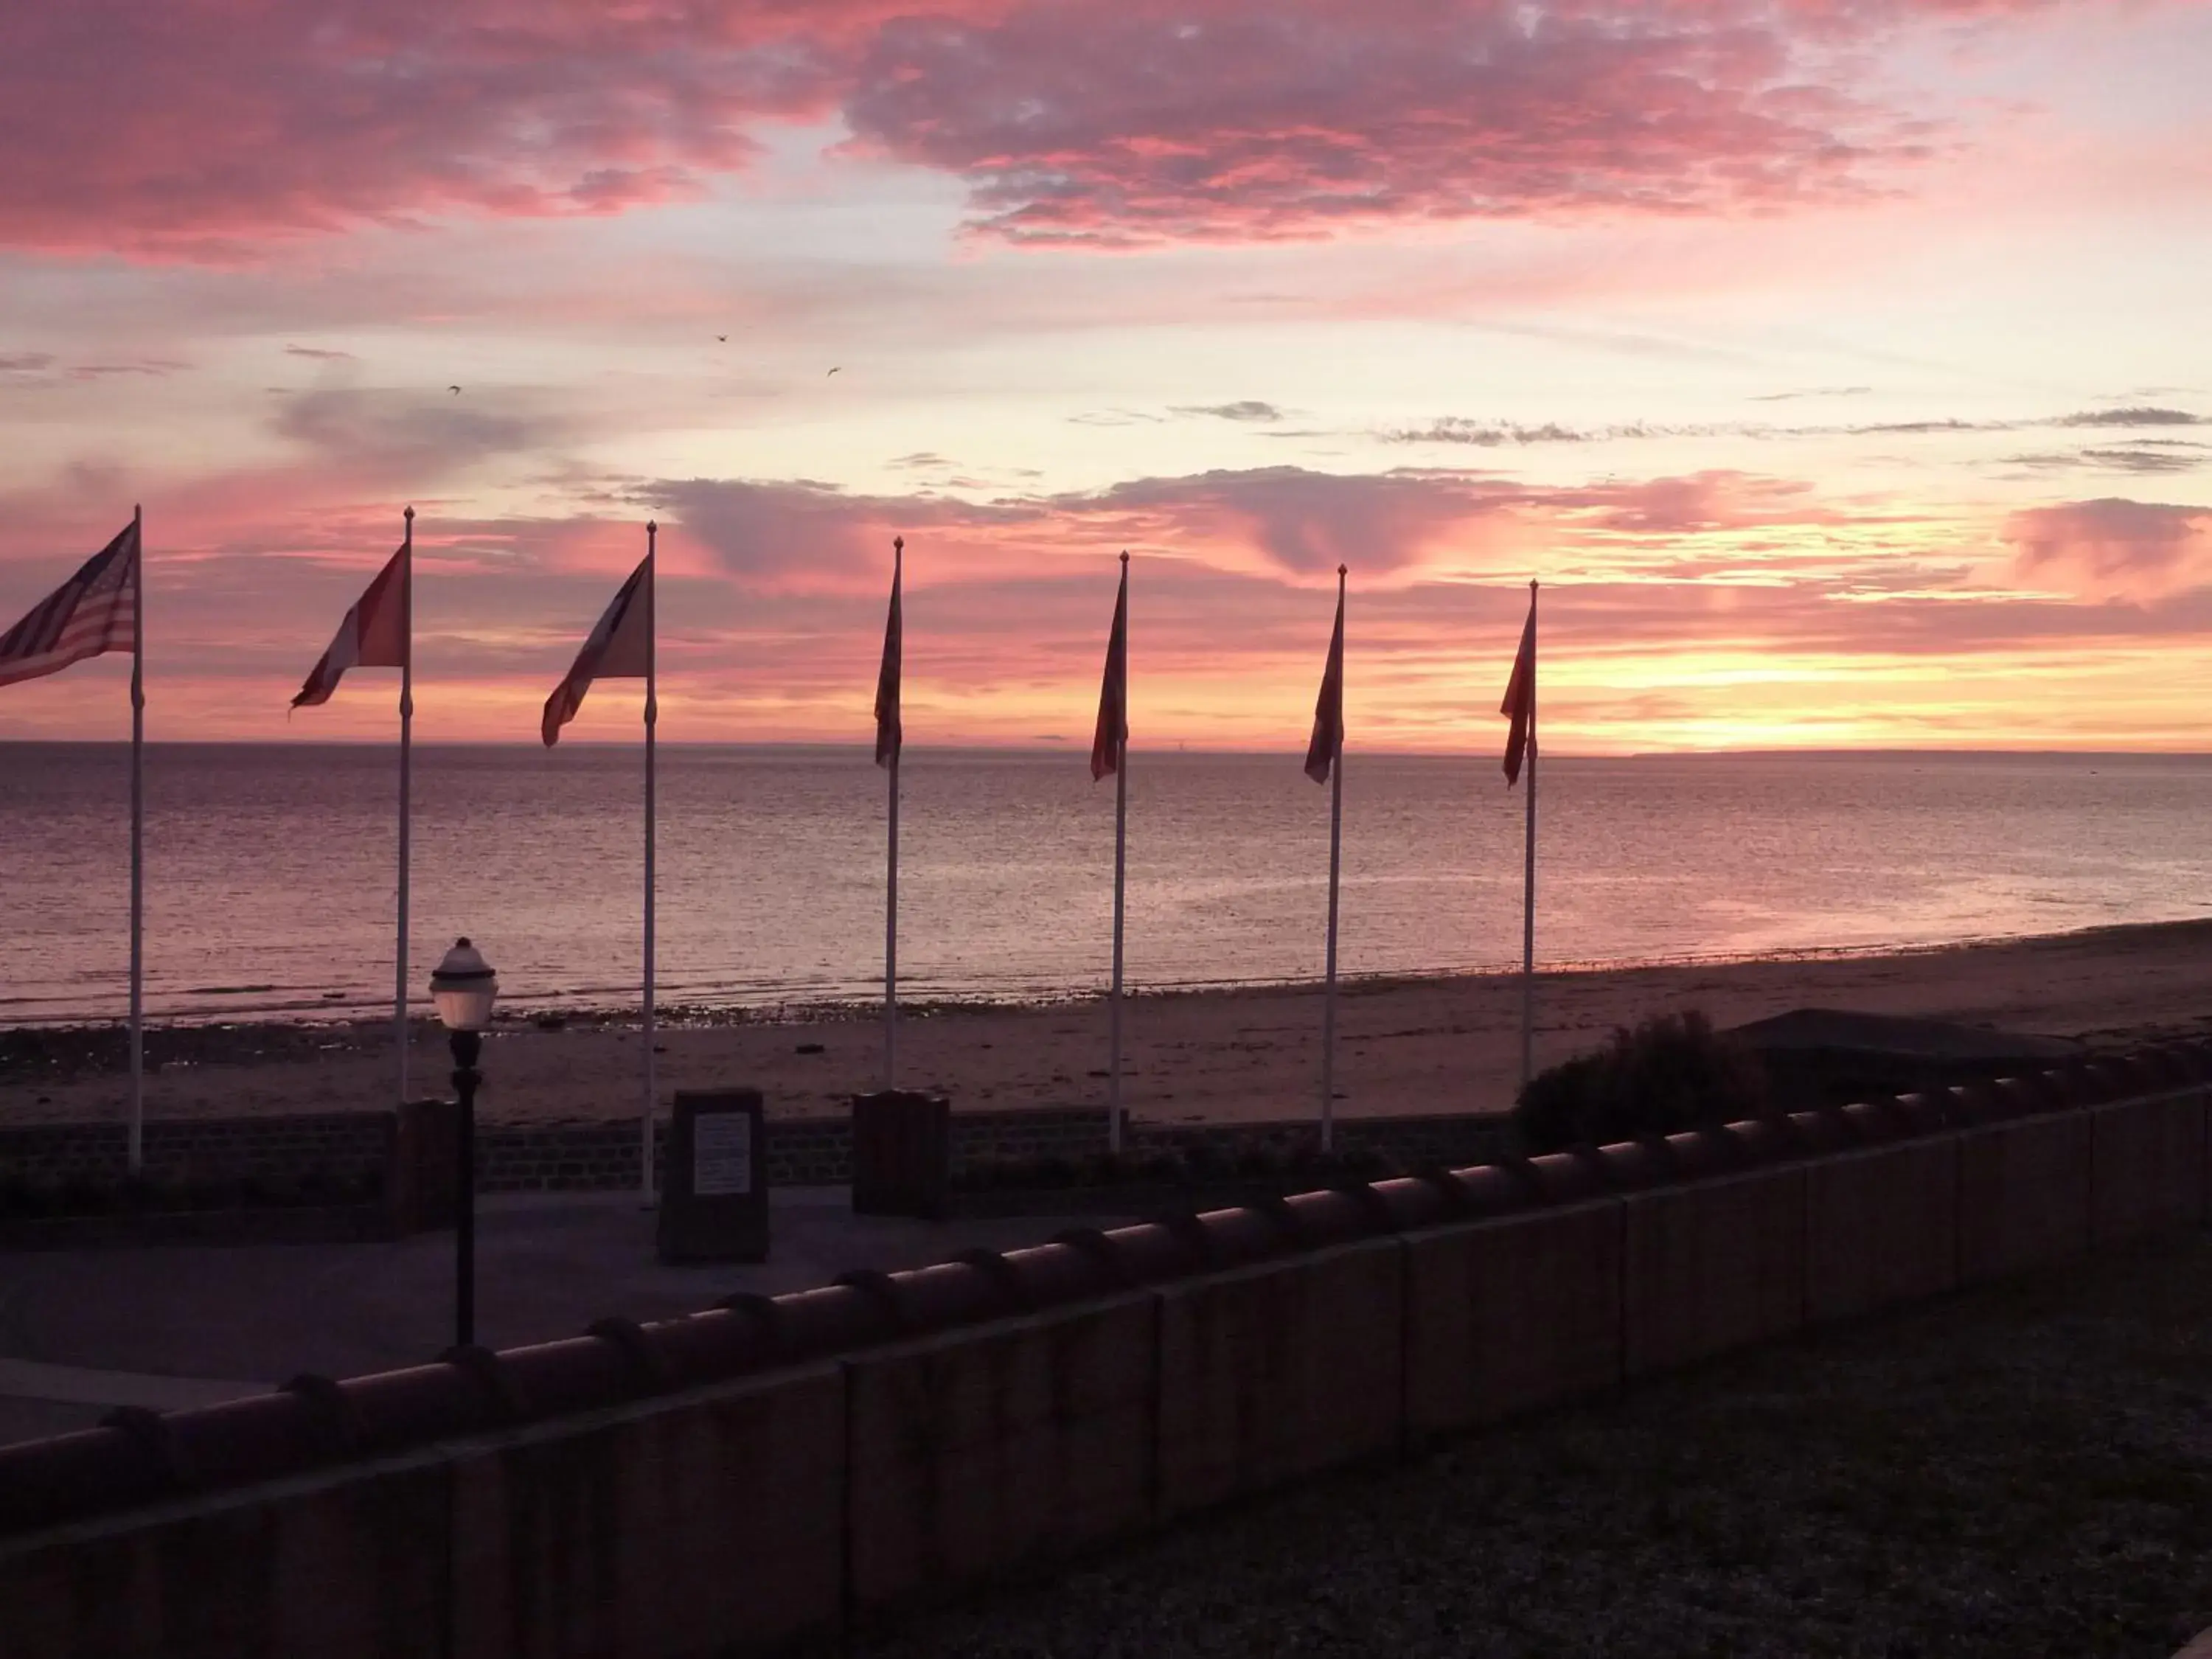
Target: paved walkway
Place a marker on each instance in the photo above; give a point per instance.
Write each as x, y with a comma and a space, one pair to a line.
166, 1327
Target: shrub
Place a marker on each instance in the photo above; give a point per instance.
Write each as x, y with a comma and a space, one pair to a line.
1164, 1168
1104, 1169
1669, 1074
1364, 1163
1261, 1161
1205, 1162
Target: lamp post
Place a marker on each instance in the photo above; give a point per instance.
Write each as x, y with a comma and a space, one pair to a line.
464, 988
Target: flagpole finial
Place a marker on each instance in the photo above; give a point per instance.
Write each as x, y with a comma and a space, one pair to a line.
1343, 569
898, 543
1124, 555
408, 513
1532, 584
652, 526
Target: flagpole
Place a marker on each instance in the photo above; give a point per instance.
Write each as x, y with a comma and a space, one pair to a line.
890, 854
652, 719
1120, 870
1528, 881
137, 1147
1335, 864
406, 781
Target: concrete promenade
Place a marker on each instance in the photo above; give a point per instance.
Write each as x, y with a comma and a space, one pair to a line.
167, 1328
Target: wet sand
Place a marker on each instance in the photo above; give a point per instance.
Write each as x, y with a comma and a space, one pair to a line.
1407, 1046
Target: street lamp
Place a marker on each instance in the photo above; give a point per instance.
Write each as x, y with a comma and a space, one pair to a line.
464, 988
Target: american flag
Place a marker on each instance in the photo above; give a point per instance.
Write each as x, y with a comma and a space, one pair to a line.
94, 611
1113, 729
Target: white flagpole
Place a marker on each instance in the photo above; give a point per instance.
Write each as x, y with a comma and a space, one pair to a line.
652, 718
1528, 883
1335, 863
137, 1148
406, 780
890, 854
1120, 868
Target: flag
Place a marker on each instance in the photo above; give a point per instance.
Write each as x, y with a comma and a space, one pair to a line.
1328, 709
1114, 691
619, 648
889, 733
1520, 704
375, 633
94, 611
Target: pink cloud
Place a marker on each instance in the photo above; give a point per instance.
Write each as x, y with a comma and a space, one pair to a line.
196, 128
202, 128
2113, 547
1294, 118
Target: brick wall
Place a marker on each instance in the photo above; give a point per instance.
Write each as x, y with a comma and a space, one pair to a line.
346, 1143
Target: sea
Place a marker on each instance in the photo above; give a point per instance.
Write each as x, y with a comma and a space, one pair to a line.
270, 869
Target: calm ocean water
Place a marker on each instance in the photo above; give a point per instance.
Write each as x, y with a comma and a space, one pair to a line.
269, 869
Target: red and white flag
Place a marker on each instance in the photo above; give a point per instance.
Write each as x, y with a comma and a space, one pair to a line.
377, 633
1114, 691
890, 732
619, 648
94, 611
1328, 709
1520, 704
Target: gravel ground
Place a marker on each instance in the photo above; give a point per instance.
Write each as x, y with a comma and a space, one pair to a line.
2021, 1472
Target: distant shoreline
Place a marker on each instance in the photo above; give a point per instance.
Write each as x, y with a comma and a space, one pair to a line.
1444, 1044
593, 1008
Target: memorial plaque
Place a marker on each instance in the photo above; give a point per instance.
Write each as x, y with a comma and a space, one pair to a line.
713, 1201
721, 1154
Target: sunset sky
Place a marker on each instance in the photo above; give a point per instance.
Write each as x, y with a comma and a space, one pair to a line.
1842, 368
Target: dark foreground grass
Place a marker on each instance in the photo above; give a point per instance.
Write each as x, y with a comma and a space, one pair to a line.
2011, 1473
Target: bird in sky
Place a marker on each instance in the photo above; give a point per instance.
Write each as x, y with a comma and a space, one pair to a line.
831, 372
723, 337
455, 389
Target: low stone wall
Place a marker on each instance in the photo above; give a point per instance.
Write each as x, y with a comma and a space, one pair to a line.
602, 1155
778, 1469
345, 1143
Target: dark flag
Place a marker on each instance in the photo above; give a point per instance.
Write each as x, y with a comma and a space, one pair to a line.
1113, 690
1328, 710
889, 733
1520, 704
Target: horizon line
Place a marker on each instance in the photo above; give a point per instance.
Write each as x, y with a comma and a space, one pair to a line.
1072, 746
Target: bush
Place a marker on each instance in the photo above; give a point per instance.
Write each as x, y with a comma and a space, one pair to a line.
1671, 1073
1364, 1163
1203, 1161
1164, 1168
1261, 1161
1104, 1169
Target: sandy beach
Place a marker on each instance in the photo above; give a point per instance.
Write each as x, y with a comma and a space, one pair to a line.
1441, 1045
